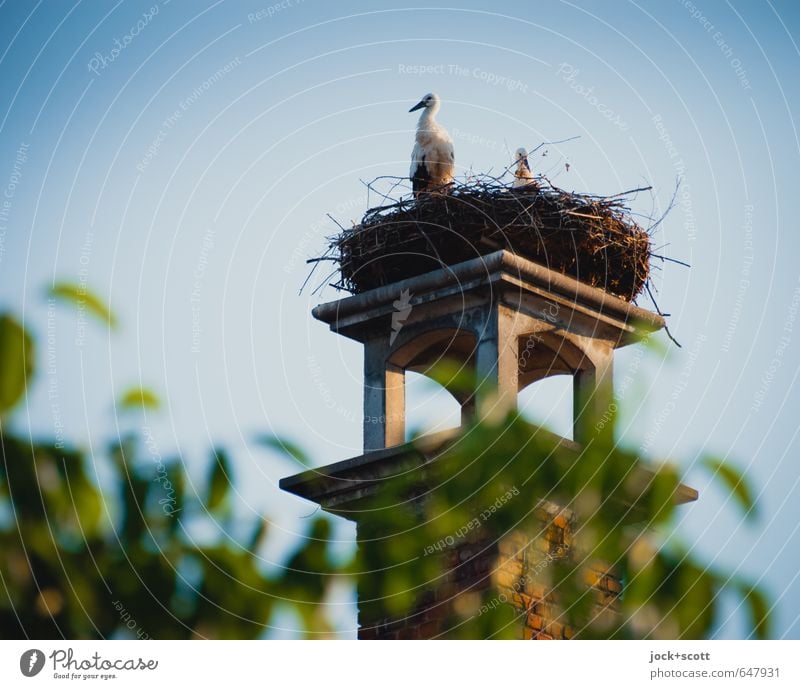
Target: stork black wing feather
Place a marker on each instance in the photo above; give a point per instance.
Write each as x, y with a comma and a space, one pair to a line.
421, 178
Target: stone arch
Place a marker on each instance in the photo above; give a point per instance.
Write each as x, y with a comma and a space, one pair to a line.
420, 351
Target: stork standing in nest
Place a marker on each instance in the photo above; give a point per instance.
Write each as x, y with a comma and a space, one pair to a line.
432, 160
523, 176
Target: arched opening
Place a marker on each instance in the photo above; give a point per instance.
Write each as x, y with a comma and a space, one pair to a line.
546, 379
428, 359
429, 406
549, 403
434, 360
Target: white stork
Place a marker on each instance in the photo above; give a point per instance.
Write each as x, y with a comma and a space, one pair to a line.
522, 175
432, 160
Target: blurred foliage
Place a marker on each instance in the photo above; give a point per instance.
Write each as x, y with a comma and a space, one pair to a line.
16, 357
139, 398
82, 557
733, 482
83, 299
85, 558
285, 448
624, 514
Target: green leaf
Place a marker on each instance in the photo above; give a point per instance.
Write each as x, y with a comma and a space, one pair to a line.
657, 345
259, 534
16, 361
139, 398
734, 482
284, 447
759, 609
219, 480
83, 299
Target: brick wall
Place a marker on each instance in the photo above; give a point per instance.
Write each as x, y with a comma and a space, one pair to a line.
485, 571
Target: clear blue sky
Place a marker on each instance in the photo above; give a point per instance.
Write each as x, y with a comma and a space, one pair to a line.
186, 176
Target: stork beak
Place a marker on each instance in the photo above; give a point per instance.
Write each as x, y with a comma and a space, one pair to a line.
419, 105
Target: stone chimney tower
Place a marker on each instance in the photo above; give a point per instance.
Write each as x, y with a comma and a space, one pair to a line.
511, 322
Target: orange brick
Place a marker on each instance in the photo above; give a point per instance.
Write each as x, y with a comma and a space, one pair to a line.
535, 621
527, 633
510, 565
525, 601
605, 599
601, 567
542, 608
560, 521
534, 590
591, 578
517, 601
507, 579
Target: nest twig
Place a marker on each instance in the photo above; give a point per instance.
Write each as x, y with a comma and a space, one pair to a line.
592, 238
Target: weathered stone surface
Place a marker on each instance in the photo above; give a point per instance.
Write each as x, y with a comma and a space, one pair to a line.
512, 322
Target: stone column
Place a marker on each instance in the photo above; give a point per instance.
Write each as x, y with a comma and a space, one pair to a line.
593, 392
384, 398
497, 363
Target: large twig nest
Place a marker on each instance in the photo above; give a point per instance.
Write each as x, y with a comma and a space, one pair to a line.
594, 239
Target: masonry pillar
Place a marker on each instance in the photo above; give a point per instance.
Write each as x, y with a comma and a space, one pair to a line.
593, 391
496, 363
384, 398
475, 314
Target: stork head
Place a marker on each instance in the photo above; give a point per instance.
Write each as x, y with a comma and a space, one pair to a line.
522, 154
430, 102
